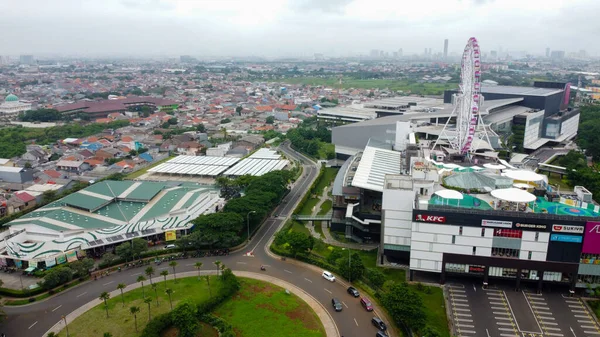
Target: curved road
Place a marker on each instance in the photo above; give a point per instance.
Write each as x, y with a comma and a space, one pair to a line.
35, 319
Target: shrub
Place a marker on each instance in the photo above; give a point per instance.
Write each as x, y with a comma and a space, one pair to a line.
31, 299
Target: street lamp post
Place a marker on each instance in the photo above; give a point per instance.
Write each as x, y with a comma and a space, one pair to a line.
248, 223
66, 325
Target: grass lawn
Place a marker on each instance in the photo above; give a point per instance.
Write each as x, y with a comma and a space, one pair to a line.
325, 207
121, 322
308, 206
436, 310
564, 184
326, 179
298, 226
261, 309
140, 172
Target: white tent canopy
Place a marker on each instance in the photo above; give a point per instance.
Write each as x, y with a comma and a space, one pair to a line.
513, 195
451, 166
449, 194
522, 185
523, 175
494, 166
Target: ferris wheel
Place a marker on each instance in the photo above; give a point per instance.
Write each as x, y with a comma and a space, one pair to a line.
467, 103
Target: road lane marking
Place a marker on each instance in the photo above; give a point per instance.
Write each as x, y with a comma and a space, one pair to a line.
105, 284
287, 271
345, 304
354, 322
136, 274
327, 290
53, 310
31, 326
241, 262
308, 280
262, 237
82, 294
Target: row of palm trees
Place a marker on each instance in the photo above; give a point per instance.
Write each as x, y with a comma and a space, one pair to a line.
149, 271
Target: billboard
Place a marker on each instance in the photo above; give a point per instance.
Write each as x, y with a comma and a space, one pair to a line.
496, 223
170, 235
61, 259
591, 241
72, 256
566, 238
567, 229
430, 218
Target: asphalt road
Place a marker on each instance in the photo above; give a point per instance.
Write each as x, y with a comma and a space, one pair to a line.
35, 319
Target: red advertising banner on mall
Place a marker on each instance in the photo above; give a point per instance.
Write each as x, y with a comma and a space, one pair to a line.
591, 238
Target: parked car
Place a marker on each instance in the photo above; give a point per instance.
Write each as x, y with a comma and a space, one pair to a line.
381, 334
328, 276
378, 323
171, 246
366, 303
337, 305
352, 291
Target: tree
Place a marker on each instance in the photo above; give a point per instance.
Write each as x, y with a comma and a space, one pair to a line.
169, 291
270, 120
375, 277
173, 264
82, 267
107, 258
208, 285
134, 311
155, 288
172, 121
405, 306
201, 128
430, 331
27, 165
48, 196
353, 267
141, 279
217, 263
198, 265
164, 273
129, 250
148, 300
122, 286
107, 334
104, 296
149, 272
299, 243
225, 120
220, 229
184, 318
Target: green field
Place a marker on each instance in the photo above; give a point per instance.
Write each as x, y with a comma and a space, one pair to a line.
121, 322
407, 86
435, 308
308, 206
325, 180
261, 309
555, 180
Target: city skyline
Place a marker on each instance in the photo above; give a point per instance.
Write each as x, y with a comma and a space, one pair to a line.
285, 28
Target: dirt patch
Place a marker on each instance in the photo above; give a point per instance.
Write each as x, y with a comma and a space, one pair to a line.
267, 306
304, 314
170, 332
265, 289
237, 332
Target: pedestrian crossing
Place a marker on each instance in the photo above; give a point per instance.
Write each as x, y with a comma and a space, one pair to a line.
505, 323
583, 316
543, 314
461, 312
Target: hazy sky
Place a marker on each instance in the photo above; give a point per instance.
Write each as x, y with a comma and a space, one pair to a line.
292, 27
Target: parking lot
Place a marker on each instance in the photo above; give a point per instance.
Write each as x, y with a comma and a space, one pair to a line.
504, 312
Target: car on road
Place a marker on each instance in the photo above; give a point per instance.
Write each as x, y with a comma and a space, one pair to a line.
366, 304
328, 276
171, 246
381, 334
337, 305
352, 291
378, 323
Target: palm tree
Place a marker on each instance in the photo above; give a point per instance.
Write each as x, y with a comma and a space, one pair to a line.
164, 273
149, 272
173, 264
217, 263
208, 283
222, 269
141, 278
148, 300
198, 265
134, 311
122, 286
107, 334
105, 296
169, 291
154, 286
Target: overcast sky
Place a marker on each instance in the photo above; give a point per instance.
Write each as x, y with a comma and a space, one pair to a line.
292, 27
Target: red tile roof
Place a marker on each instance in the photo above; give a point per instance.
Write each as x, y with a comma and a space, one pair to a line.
52, 173
263, 108
24, 196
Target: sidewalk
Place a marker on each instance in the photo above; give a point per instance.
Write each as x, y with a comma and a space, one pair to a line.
329, 239
328, 323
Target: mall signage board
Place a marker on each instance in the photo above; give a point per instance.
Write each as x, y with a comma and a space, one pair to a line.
567, 229
566, 238
430, 218
496, 223
531, 226
591, 240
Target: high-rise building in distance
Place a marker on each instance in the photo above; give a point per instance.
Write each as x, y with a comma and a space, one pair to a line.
557, 54
26, 59
547, 52
446, 48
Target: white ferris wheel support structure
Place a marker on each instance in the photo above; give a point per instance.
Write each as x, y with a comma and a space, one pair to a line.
469, 125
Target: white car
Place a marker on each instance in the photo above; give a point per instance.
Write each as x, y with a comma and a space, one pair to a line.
328, 276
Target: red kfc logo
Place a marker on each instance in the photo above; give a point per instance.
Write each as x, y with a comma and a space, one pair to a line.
430, 218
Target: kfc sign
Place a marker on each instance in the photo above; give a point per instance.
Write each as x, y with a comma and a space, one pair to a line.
567, 229
430, 218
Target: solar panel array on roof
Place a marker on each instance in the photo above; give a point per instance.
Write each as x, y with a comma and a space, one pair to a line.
256, 167
148, 231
